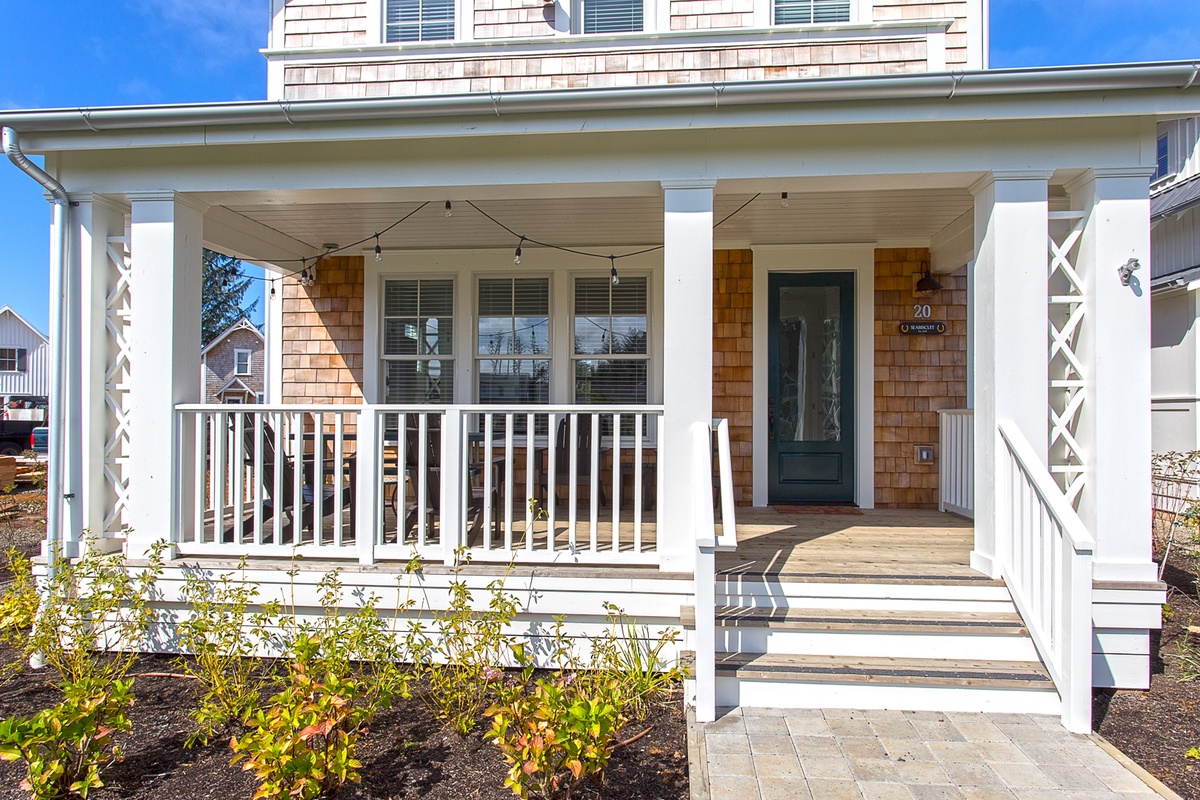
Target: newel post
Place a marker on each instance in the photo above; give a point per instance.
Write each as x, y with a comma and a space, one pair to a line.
368, 482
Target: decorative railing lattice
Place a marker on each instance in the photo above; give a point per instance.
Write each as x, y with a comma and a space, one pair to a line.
1067, 387
118, 312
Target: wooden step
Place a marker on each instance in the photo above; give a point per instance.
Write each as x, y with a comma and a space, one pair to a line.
864, 621
884, 671
963, 576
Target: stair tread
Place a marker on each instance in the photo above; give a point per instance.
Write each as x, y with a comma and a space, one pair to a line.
965, 578
886, 671
994, 622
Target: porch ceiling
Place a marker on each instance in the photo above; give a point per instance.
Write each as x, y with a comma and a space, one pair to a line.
602, 222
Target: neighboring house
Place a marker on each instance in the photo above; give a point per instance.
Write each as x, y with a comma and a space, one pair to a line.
234, 365
569, 236
24, 359
1175, 218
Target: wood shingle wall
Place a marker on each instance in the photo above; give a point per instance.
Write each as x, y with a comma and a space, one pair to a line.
325, 23
323, 335
733, 360
915, 376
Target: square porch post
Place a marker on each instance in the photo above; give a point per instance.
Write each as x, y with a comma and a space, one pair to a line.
1010, 310
1114, 347
687, 360
166, 252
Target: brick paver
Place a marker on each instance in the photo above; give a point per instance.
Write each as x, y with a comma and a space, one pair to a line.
764, 754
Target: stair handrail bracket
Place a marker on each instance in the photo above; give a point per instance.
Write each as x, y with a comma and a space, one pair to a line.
1045, 553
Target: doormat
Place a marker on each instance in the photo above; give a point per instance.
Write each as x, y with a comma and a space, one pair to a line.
847, 510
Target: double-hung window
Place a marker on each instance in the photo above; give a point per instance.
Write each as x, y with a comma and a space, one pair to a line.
12, 359
610, 352
419, 20
811, 12
241, 362
611, 16
418, 341
512, 356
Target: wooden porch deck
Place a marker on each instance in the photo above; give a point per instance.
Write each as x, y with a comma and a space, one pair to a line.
851, 545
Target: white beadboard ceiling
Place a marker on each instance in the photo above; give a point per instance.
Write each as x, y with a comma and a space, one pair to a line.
598, 222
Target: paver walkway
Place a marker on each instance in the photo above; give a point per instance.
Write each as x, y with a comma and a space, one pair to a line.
771, 754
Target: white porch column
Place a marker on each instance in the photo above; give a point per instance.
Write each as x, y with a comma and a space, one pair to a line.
1114, 346
166, 244
687, 359
1010, 316
97, 219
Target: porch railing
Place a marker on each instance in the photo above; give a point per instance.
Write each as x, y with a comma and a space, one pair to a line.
956, 454
539, 484
1045, 557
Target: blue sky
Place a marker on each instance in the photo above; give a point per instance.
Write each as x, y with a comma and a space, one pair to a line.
70, 53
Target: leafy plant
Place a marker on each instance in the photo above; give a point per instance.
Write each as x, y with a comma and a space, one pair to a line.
231, 681
462, 666
66, 747
19, 603
558, 735
626, 653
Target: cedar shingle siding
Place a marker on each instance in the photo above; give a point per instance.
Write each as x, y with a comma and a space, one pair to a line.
323, 335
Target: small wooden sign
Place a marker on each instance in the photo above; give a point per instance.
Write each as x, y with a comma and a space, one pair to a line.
923, 328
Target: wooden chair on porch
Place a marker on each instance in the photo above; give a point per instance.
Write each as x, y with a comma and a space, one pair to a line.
286, 502
562, 459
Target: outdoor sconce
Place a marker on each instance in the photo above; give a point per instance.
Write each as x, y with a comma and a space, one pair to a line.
1127, 269
927, 285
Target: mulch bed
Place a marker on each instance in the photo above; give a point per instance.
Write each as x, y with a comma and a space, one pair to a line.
1157, 727
405, 754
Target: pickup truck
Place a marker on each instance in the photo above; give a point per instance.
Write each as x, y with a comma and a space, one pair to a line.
16, 436
39, 440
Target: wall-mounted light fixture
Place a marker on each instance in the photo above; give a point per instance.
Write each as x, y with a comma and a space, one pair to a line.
783, 199
1127, 269
927, 284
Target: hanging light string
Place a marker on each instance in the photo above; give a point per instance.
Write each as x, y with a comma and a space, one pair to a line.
612, 258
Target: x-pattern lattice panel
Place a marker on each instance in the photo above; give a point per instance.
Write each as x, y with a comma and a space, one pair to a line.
117, 318
1067, 390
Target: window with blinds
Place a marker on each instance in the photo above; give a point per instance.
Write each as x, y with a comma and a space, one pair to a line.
612, 16
1162, 160
610, 350
419, 20
811, 12
418, 341
512, 354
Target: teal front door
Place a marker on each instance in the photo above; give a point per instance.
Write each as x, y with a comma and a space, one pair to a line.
810, 411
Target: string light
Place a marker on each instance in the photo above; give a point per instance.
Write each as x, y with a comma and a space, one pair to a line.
378, 249
783, 200
449, 209
613, 271
517, 255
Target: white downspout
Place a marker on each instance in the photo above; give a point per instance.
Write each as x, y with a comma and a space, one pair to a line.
56, 491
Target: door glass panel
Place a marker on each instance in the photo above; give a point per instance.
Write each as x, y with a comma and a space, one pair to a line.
810, 362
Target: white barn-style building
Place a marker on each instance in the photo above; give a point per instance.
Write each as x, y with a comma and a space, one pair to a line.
550, 284
24, 359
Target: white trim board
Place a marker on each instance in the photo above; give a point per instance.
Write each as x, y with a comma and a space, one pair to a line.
856, 258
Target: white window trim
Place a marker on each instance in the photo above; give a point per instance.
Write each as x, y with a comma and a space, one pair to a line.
861, 12
249, 354
464, 23
656, 16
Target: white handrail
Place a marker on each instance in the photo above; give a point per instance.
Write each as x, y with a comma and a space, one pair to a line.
728, 536
1045, 554
705, 575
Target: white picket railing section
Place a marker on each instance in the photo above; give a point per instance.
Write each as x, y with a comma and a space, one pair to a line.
1045, 557
707, 542
956, 454
537, 484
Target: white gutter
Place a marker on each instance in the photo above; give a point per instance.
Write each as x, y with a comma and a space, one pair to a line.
892, 88
56, 491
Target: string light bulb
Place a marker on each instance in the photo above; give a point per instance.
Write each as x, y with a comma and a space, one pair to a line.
378, 249
612, 260
783, 200
517, 254
449, 209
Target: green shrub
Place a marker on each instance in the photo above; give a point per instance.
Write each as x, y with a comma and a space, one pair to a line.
19, 603
66, 747
231, 679
558, 735
626, 653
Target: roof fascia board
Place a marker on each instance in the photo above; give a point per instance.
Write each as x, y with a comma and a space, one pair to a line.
1145, 103
242, 324
25, 322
